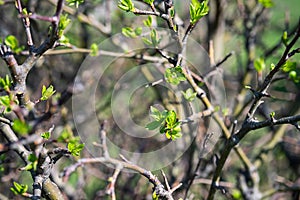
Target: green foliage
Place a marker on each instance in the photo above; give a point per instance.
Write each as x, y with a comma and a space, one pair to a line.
198, 10
272, 66
266, 3
150, 2
148, 21
291, 68
19, 188
236, 194
159, 118
155, 196
21, 127
167, 123
284, 38
174, 75
272, 114
5, 101
94, 49
33, 163
154, 39
64, 21
47, 92
66, 135
75, 147
132, 33
189, 94
75, 2
259, 64
5, 83
171, 127
2, 2
46, 135
13, 43
126, 5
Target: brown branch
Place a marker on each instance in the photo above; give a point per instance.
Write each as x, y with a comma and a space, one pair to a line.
158, 186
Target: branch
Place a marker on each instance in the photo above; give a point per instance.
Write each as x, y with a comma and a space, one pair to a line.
106, 159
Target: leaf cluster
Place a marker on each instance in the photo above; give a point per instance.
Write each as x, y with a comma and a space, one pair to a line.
167, 123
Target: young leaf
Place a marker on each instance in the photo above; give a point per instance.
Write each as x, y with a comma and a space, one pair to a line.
75, 2
21, 127
146, 41
138, 31
150, 2
266, 3
6, 101
285, 38
13, 43
94, 49
47, 92
154, 37
153, 125
148, 21
19, 188
174, 75
126, 5
46, 135
75, 147
198, 10
189, 94
129, 32
289, 66
64, 21
259, 64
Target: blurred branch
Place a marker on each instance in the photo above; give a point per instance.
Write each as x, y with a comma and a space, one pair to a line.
105, 30
249, 123
106, 159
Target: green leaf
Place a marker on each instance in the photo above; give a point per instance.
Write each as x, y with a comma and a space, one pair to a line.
272, 66
66, 135
2, 2
198, 10
155, 196
289, 66
272, 114
259, 64
6, 102
13, 43
75, 3
75, 147
21, 127
266, 3
138, 31
150, 2
46, 135
94, 49
126, 5
33, 162
155, 113
285, 38
47, 92
154, 37
64, 21
19, 188
146, 41
153, 125
189, 94
174, 75
171, 117
129, 32
5, 83
148, 21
